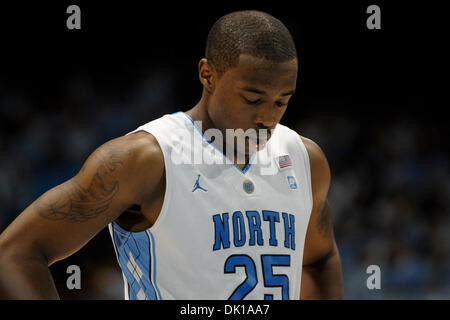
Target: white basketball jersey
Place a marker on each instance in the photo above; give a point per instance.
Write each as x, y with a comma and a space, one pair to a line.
222, 233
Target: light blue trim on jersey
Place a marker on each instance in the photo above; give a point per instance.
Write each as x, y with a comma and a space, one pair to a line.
243, 171
154, 263
137, 260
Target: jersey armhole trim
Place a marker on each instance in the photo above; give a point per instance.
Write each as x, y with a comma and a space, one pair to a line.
168, 188
307, 168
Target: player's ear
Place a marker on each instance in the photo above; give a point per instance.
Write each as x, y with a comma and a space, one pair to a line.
207, 75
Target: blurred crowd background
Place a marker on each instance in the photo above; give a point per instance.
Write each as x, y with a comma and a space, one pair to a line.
364, 101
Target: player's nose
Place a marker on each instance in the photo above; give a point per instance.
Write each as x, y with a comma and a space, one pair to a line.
266, 117
267, 122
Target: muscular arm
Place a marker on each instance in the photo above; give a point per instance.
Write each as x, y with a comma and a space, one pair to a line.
322, 272
66, 217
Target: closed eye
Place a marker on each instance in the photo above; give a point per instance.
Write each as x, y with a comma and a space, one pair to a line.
252, 101
280, 104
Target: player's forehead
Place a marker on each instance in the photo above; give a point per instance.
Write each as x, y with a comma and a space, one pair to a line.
259, 72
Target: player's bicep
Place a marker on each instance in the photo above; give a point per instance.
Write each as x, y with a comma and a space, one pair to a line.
67, 216
319, 237
91, 194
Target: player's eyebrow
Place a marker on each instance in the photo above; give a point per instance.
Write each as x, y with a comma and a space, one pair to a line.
258, 91
289, 93
254, 90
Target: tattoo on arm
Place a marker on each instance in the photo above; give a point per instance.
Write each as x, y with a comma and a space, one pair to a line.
73, 203
324, 221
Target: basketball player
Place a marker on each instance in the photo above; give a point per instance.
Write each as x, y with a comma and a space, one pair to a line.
198, 230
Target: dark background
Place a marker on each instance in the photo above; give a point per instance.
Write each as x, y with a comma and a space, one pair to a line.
372, 99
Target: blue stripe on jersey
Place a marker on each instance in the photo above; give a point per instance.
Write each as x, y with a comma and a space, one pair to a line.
135, 259
154, 263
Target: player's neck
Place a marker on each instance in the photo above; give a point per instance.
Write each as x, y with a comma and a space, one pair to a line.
199, 113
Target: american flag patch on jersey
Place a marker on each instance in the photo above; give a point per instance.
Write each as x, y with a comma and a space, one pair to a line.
284, 161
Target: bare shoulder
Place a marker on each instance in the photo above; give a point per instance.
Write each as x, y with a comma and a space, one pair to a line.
134, 160
137, 148
143, 148
320, 169
316, 155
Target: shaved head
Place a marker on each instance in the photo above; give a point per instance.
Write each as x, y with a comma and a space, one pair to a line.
250, 32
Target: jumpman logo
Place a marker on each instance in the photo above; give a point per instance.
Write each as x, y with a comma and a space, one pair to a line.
197, 185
